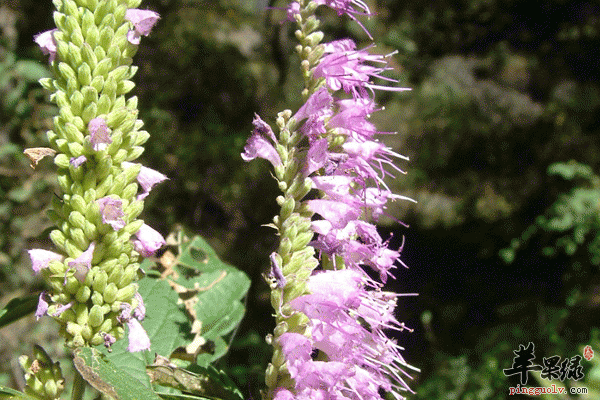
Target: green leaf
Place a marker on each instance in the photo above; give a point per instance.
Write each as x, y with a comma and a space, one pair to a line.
8, 393
18, 308
107, 378
220, 290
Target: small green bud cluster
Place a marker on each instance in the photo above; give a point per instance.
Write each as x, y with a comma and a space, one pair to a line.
96, 134
44, 378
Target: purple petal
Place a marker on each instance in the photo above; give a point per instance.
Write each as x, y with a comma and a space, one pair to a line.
259, 146
149, 241
42, 307
99, 134
41, 258
47, 43
83, 263
62, 308
143, 21
138, 338
139, 312
77, 161
336, 212
147, 178
112, 212
316, 157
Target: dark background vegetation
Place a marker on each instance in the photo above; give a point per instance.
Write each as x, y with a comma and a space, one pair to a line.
502, 245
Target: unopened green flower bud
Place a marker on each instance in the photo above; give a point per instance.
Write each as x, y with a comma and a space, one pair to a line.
287, 208
134, 153
83, 294
118, 185
78, 238
285, 246
110, 293
100, 281
97, 298
115, 275
302, 240
72, 285
96, 316
58, 238
104, 186
134, 210
127, 292
76, 218
129, 274
89, 180
81, 314
90, 112
90, 231
73, 328
97, 339
291, 232
106, 325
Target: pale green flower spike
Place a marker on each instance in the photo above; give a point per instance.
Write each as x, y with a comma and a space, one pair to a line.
96, 135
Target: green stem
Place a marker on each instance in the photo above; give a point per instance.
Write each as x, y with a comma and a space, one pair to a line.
78, 386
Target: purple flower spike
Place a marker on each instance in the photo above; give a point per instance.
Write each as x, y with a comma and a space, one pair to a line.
148, 241
76, 162
112, 212
41, 258
42, 307
143, 21
83, 263
99, 134
47, 43
138, 338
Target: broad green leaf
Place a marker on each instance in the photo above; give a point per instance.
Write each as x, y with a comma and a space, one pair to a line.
18, 308
107, 378
219, 299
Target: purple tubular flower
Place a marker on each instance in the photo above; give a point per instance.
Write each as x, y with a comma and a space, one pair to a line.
41, 258
47, 43
147, 178
276, 271
112, 212
42, 307
83, 263
143, 21
148, 241
258, 145
138, 338
99, 134
346, 68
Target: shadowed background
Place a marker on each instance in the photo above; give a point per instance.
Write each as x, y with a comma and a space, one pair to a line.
502, 90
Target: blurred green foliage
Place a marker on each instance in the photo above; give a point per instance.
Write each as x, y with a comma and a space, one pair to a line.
504, 91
